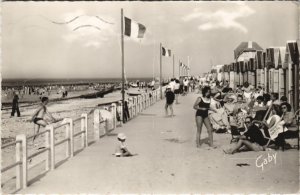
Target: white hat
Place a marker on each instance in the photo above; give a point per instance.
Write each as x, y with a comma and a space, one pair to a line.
121, 136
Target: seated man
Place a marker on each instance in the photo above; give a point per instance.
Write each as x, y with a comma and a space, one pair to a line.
288, 120
252, 139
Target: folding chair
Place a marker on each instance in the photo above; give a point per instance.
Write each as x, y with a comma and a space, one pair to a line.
297, 117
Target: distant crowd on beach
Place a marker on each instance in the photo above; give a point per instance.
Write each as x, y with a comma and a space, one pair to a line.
40, 91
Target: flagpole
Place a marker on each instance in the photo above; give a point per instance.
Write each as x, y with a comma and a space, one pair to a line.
173, 66
179, 69
188, 71
160, 72
122, 48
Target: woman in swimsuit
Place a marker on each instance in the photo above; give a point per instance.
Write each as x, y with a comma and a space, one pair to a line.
38, 116
202, 105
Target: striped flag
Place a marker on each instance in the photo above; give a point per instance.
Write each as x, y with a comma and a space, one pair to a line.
134, 29
166, 52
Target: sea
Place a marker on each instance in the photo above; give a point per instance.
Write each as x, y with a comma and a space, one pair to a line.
74, 81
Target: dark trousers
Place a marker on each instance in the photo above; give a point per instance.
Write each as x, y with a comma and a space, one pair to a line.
14, 109
279, 141
126, 115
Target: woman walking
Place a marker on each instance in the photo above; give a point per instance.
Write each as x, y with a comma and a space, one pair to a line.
202, 105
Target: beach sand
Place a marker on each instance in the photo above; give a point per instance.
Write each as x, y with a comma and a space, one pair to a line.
167, 161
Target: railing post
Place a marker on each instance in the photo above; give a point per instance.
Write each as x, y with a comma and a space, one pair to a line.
84, 141
69, 135
135, 106
130, 107
52, 147
96, 124
121, 112
19, 166
114, 114
22, 138
48, 145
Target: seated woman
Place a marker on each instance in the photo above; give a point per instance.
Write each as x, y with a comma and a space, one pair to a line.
248, 89
252, 139
289, 121
259, 108
239, 113
219, 118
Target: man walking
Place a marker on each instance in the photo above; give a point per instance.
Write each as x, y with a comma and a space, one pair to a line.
15, 106
170, 96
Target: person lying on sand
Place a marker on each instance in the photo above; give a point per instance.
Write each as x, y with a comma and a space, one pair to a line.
38, 116
252, 139
121, 149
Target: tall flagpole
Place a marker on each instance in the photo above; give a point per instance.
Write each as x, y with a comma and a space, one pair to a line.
188, 71
122, 48
160, 73
179, 69
173, 66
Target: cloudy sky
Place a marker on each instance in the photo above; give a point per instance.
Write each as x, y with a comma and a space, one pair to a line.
41, 39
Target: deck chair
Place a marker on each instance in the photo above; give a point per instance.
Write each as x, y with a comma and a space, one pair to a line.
297, 117
272, 133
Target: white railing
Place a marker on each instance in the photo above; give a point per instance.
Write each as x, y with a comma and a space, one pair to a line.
135, 105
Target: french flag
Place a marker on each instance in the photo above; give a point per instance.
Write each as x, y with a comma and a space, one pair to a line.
166, 52
134, 29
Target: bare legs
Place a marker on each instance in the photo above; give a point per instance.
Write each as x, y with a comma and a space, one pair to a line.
199, 123
171, 109
37, 126
241, 143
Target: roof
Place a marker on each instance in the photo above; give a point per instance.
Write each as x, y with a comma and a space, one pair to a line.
246, 46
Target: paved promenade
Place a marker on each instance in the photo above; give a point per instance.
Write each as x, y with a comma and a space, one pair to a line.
169, 162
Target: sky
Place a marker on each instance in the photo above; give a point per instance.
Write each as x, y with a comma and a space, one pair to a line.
40, 40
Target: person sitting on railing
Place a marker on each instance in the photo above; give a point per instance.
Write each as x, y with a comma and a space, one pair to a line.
252, 139
121, 148
38, 116
289, 121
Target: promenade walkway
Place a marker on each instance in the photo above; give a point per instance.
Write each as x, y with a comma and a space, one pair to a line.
169, 162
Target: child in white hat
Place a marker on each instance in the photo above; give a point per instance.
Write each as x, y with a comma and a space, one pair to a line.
121, 149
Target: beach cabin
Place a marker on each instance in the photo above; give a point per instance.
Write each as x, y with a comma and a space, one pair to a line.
265, 73
236, 74
282, 72
246, 50
259, 68
226, 72
240, 73
291, 64
272, 65
251, 79
231, 76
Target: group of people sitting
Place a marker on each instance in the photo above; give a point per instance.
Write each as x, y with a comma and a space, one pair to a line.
262, 120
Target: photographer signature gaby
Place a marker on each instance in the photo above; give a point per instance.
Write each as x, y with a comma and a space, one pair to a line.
263, 161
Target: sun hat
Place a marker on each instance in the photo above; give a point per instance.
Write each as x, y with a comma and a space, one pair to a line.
121, 136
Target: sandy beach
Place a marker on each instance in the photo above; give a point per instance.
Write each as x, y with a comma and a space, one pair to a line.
168, 161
